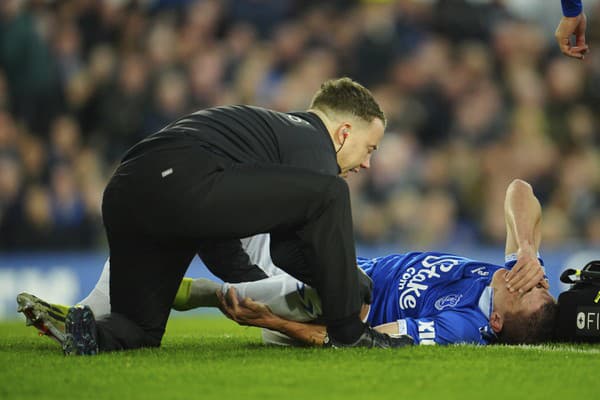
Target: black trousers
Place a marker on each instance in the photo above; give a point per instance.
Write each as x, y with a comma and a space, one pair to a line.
159, 209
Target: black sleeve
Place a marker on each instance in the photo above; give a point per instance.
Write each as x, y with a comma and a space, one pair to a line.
314, 159
304, 142
228, 261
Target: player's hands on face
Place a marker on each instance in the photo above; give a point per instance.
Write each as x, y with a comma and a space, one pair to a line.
572, 26
245, 311
526, 274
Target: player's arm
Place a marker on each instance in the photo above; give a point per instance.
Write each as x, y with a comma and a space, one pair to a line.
249, 312
523, 216
573, 22
447, 327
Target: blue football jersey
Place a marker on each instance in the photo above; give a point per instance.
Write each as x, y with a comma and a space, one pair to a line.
437, 298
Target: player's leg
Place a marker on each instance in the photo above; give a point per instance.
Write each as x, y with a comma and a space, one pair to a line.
191, 294
258, 249
315, 207
226, 258
286, 296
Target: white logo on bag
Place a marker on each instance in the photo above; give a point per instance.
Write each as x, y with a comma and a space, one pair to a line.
410, 283
581, 320
447, 301
588, 320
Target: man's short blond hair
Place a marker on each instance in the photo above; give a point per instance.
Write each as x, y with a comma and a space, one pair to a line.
344, 95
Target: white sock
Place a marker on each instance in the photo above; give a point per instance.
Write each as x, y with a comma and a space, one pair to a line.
286, 296
99, 298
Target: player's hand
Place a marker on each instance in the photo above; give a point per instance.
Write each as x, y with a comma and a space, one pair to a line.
245, 311
572, 26
526, 274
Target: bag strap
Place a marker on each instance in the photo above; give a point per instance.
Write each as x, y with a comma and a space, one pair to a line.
590, 275
582, 275
593, 266
565, 277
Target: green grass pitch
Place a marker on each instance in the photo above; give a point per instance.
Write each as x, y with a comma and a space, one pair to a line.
209, 357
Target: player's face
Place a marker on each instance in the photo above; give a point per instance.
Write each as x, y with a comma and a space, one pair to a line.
526, 303
362, 140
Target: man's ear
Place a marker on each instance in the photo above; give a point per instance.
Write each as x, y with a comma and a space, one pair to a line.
496, 321
343, 131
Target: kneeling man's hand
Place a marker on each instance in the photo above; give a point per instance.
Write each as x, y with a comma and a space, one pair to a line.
245, 311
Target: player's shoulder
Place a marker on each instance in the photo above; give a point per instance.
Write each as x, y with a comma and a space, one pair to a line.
463, 325
428, 258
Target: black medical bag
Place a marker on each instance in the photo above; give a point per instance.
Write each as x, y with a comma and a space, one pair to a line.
579, 307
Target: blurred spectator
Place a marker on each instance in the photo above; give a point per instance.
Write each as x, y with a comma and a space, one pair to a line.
30, 68
264, 14
10, 190
34, 160
67, 52
475, 93
122, 105
170, 102
65, 140
35, 229
205, 78
67, 207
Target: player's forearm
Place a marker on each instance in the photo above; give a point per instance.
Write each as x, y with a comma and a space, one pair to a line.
523, 215
571, 8
391, 328
306, 333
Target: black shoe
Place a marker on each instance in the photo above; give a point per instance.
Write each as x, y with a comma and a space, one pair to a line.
371, 338
80, 332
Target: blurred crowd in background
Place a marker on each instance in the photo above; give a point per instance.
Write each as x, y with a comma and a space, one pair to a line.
476, 94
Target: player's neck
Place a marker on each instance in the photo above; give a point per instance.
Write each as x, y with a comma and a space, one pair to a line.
498, 283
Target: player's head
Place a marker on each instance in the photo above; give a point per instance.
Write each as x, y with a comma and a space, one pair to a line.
354, 119
522, 317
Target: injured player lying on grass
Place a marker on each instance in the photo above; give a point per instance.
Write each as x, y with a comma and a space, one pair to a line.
436, 298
